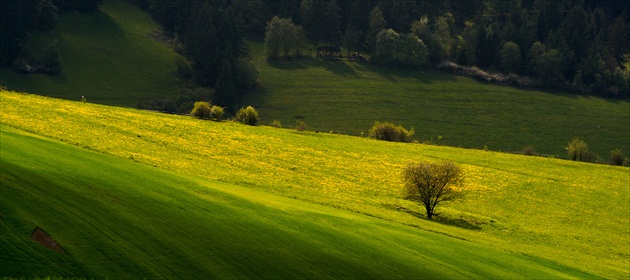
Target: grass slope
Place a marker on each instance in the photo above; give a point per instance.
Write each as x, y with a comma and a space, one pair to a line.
107, 56
119, 219
572, 213
349, 97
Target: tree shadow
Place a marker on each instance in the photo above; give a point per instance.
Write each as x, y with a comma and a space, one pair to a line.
336, 66
460, 222
392, 73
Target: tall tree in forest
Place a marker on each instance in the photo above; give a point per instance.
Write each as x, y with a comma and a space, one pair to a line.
376, 24
510, 57
618, 40
13, 29
352, 39
312, 12
330, 24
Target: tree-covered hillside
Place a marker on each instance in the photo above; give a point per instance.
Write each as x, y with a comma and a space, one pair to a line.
576, 45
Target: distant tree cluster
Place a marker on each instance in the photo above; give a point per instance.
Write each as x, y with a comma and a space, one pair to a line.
579, 45
212, 33
283, 39
20, 18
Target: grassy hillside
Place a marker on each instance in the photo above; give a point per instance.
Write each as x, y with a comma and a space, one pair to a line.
444, 109
107, 56
573, 214
119, 219
110, 58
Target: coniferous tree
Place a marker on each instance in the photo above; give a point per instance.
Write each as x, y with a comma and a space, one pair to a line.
376, 24
330, 24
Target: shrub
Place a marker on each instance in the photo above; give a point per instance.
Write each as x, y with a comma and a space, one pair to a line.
530, 151
276, 124
390, 132
248, 116
590, 156
201, 110
216, 113
300, 126
617, 158
577, 150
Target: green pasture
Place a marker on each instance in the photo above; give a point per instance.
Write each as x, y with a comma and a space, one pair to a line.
119, 219
107, 56
572, 214
348, 97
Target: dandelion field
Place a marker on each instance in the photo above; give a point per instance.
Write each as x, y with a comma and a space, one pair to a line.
115, 218
573, 214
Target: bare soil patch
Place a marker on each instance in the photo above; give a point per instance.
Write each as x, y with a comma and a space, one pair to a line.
41, 237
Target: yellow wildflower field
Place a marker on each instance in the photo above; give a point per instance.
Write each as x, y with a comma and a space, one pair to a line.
538, 206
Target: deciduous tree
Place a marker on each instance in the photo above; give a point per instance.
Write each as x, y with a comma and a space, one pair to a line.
430, 183
510, 57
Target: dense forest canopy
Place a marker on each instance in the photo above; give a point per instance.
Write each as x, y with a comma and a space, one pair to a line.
576, 45
579, 45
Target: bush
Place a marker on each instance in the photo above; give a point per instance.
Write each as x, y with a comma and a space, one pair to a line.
300, 126
248, 116
529, 151
216, 113
617, 158
276, 124
593, 157
390, 132
577, 150
201, 110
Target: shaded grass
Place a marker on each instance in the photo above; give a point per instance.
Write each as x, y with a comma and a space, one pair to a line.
119, 219
572, 213
347, 97
107, 56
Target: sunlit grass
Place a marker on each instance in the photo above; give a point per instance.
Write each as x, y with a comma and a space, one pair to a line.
572, 213
122, 220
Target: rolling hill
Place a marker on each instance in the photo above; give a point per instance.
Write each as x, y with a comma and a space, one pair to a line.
108, 56
115, 218
567, 216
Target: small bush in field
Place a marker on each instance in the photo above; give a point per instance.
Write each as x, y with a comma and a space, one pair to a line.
300, 126
591, 156
390, 132
529, 151
216, 113
577, 150
276, 124
248, 116
617, 158
201, 110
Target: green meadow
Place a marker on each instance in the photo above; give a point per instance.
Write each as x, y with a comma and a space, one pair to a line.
348, 97
107, 56
119, 219
334, 199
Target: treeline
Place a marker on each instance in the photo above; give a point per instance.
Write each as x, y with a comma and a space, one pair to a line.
211, 34
579, 45
20, 18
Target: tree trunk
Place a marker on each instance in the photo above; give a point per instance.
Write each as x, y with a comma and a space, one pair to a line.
429, 211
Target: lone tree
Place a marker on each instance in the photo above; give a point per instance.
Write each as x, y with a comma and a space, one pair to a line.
430, 183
